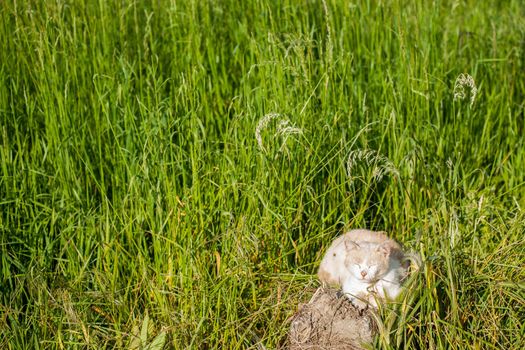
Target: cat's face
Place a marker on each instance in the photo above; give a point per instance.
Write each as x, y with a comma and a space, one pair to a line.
366, 262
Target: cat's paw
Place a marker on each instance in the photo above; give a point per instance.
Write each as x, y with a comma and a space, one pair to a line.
373, 302
361, 305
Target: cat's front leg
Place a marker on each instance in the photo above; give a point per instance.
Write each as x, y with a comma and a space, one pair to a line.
388, 290
373, 300
357, 293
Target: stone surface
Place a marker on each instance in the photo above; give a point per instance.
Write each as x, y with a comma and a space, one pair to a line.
329, 321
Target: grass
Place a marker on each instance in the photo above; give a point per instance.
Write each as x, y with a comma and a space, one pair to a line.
139, 210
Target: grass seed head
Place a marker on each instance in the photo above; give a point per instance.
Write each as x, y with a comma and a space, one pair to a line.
284, 128
371, 158
463, 82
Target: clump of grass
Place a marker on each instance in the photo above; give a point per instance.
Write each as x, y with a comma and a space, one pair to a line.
137, 209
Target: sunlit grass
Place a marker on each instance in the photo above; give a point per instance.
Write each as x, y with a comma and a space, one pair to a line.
141, 205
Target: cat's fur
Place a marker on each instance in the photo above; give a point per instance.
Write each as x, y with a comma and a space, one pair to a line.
366, 264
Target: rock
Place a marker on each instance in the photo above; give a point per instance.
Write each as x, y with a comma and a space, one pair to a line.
330, 321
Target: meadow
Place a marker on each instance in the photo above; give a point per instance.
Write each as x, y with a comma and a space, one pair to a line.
173, 171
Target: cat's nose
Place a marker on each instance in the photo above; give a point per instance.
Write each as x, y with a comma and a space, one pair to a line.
363, 273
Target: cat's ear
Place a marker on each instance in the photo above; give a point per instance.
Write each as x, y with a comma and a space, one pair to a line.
384, 249
351, 245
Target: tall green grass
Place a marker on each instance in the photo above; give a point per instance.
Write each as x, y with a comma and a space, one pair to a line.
138, 208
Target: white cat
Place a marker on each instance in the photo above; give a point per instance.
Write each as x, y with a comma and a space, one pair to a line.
368, 265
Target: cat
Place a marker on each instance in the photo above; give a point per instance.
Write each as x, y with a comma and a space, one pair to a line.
368, 265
